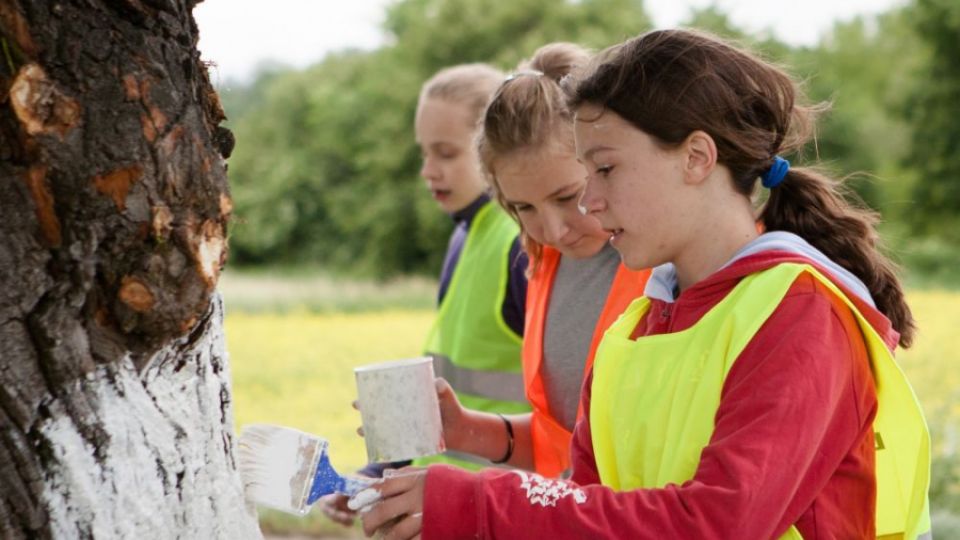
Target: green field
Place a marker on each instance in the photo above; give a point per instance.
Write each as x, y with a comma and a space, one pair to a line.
294, 367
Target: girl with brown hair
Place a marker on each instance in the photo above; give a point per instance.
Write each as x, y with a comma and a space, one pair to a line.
752, 393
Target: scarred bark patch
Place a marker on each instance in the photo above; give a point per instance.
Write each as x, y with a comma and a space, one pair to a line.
169, 142
131, 88
116, 184
214, 108
161, 221
40, 106
149, 132
208, 250
136, 294
157, 118
17, 27
226, 205
36, 179
188, 324
153, 121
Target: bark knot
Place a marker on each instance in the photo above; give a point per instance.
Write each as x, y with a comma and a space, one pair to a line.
136, 294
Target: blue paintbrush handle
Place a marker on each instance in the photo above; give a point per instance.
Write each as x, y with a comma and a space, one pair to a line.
326, 481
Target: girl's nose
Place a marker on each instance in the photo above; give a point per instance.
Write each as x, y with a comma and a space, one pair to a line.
428, 169
591, 200
554, 228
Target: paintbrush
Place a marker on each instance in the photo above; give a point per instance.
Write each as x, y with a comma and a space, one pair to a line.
289, 470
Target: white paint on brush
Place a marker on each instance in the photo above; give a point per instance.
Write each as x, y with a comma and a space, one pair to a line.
278, 464
167, 468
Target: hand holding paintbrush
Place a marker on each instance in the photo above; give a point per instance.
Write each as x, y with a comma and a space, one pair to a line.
289, 470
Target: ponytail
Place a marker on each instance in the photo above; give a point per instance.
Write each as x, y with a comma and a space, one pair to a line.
816, 208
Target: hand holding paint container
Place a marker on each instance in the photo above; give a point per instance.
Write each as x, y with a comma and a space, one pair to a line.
399, 410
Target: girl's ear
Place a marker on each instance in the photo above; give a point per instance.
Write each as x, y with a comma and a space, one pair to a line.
700, 157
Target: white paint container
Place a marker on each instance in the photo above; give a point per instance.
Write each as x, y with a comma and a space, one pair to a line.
399, 410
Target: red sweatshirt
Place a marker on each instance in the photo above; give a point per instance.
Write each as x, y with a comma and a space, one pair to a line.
793, 442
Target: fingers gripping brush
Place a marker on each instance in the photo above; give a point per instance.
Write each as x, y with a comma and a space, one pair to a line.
289, 470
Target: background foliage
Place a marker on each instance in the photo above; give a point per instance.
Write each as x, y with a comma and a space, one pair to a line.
326, 170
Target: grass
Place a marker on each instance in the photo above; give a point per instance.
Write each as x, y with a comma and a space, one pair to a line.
293, 352
931, 366
304, 289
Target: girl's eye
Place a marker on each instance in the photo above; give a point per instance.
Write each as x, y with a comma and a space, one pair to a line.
604, 170
568, 198
447, 151
522, 208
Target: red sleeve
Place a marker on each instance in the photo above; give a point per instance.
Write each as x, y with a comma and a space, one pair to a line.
794, 419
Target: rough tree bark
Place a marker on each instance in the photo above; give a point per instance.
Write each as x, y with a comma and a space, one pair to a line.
115, 414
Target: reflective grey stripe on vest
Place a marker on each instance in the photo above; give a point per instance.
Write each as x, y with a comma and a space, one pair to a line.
498, 385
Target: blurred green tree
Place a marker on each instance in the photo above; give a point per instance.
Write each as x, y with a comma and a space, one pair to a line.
863, 68
933, 110
326, 169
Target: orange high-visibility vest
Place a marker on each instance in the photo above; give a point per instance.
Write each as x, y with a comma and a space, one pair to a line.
551, 441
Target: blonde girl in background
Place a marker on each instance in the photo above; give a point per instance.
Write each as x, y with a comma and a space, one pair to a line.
476, 338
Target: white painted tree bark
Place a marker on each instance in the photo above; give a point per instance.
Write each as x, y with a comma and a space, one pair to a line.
115, 407
169, 470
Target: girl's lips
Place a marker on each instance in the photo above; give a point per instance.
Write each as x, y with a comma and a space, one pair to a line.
440, 194
614, 234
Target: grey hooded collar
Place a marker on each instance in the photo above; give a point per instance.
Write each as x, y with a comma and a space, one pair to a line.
663, 285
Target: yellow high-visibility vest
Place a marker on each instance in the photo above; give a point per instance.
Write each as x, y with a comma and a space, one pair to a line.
471, 343
670, 384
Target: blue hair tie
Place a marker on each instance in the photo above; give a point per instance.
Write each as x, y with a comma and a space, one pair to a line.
776, 173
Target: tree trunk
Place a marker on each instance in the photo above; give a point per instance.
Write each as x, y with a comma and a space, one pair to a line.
115, 414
